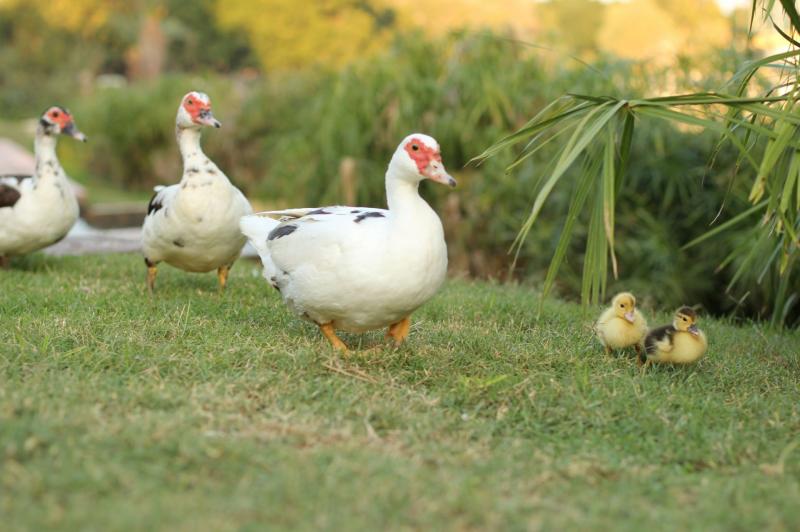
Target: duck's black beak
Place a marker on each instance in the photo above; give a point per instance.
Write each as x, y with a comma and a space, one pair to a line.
205, 117
73, 132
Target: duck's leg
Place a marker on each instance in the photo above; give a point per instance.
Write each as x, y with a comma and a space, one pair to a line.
399, 331
152, 271
329, 332
222, 276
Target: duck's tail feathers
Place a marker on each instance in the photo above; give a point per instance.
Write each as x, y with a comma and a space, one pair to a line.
256, 229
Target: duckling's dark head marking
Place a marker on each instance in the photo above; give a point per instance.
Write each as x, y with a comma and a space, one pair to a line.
685, 320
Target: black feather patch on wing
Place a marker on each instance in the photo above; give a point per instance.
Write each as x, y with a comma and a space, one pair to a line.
373, 214
8, 196
281, 231
318, 211
154, 205
657, 335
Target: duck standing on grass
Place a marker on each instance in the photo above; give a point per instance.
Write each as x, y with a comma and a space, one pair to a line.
39, 210
357, 268
621, 325
679, 343
194, 225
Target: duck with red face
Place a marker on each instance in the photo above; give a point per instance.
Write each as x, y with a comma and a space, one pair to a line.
194, 224
361, 268
39, 209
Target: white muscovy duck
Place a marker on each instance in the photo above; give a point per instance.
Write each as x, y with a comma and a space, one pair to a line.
194, 225
356, 268
39, 210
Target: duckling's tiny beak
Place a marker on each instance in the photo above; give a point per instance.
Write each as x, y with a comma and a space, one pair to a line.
73, 132
435, 172
693, 329
629, 316
206, 118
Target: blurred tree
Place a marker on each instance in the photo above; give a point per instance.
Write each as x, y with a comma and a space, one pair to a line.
290, 34
439, 18
573, 24
145, 60
198, 43
78, 16
648, 29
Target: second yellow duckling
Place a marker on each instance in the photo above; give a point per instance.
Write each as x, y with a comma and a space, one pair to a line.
621, 325
679, 343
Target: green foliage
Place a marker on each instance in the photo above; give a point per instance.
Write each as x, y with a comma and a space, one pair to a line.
194, 410
283, 140
760, 125
133, 131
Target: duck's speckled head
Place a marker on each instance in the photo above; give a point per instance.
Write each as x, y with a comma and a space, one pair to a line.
195, 111
686, 320
57, 120
624, 305
418, 157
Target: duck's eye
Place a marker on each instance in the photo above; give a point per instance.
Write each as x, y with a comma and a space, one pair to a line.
415, 147
189, 102
55, 114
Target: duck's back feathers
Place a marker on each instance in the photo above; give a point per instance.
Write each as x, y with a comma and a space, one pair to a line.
356, 214
12, 187
9, 195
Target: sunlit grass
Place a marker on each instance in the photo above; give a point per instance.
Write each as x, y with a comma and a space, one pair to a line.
199, 410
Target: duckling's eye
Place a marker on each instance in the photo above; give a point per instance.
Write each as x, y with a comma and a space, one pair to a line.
415, 147
621, 305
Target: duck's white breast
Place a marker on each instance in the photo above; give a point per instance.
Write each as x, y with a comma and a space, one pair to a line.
363, 275
197, 227
41, 216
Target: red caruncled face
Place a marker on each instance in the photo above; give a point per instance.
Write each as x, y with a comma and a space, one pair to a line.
421, 154
59, 116
194, 106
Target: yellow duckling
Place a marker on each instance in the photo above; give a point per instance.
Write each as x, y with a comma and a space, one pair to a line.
679, 343
621, 325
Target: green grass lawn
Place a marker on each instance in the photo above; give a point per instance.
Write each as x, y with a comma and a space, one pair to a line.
199, 411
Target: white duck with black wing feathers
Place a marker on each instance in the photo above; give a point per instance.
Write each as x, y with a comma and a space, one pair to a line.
356, 268
39, 210
194, 225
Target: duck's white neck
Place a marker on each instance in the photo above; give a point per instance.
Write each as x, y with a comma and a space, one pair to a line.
402, 196
44, 147
189, 144
44, 150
